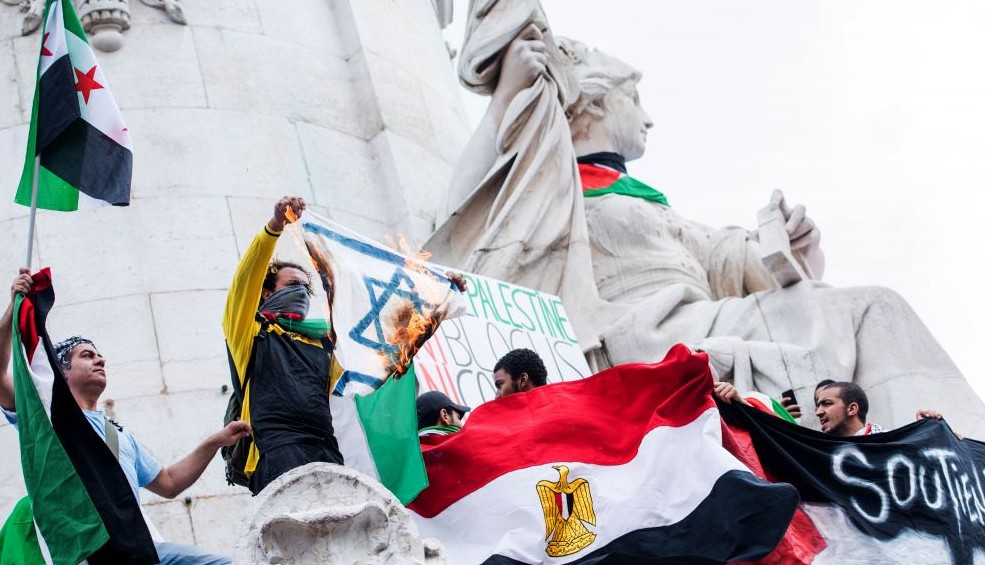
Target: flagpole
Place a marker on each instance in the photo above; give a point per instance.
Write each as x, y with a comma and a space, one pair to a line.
34, 209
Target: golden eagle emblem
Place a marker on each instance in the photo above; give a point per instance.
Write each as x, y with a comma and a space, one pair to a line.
566, 505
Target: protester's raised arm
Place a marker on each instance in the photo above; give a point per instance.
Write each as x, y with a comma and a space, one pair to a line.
21, 285
239, 324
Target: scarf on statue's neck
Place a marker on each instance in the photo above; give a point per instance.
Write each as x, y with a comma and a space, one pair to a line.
287, 308
605, 173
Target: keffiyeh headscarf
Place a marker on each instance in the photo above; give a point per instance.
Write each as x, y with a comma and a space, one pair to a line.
63, 349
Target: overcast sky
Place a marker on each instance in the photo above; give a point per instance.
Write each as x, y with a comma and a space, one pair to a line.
871, 113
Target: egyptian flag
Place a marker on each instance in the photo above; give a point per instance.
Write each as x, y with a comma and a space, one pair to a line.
83, 505
76, 128
598, 181
626, 466
912, 495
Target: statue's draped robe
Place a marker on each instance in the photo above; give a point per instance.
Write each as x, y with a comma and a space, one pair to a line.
525, 222
649, 278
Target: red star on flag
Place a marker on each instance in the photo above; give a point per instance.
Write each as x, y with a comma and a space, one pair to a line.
86, 82
44, 50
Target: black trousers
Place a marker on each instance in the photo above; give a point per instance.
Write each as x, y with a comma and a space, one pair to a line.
279, 460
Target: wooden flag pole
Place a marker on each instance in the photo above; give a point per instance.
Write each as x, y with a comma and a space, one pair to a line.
34, 209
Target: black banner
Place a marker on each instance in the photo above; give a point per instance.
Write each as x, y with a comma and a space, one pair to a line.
919, 477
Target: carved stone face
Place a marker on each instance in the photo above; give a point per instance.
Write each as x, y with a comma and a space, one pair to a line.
626, 121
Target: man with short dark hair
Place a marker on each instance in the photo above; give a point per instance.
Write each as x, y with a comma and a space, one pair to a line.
842, 408
438, 415
519, 370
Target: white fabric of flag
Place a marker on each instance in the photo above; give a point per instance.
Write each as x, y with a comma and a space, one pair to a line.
384, 304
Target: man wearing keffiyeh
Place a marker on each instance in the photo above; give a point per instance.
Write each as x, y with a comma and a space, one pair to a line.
84, 369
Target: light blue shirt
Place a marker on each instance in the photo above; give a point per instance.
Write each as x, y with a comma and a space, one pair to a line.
138, 465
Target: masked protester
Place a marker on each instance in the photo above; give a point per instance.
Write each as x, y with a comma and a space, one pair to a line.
282, 362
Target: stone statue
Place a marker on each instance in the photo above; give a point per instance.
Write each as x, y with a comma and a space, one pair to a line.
658, 278
328, 514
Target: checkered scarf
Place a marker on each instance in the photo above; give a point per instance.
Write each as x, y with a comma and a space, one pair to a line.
63, 349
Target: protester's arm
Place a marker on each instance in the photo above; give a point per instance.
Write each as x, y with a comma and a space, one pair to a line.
727, 393
239, 323
924, 414
21, 285
172, 480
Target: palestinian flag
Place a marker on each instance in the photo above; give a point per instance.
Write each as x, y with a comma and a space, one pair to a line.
911, 495
76, 128
626, 466
83, 505
597, 181
768, 404
377, 435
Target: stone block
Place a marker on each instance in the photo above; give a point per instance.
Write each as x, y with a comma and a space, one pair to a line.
348, 173
10, 95
11, 479
207, 374
451, 126
379, 21
218, 521
172, 518
400, 99
318, 29
189, 324
25, 51
280, 77
13, 144
240, 15
158, 244
157, 68
210, 152
132, 379
248, 216
121, 327
424, 179
13, 250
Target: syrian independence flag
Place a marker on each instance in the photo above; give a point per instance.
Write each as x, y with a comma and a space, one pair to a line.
911, 495
377, 435
76, 128
389, 303
626, 466
598, 181
83, 505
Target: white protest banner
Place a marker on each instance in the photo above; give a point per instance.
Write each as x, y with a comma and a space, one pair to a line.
459, 358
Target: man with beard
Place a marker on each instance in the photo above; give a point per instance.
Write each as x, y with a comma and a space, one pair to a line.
842, 409
282, 363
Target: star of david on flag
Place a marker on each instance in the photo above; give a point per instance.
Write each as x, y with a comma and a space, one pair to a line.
384, 305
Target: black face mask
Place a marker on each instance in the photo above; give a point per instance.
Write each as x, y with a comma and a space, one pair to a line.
291, 299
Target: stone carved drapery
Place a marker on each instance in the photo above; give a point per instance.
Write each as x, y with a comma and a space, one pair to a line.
525, 222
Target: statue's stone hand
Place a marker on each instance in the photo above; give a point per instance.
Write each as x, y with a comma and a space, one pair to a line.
524, 60
803, 233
